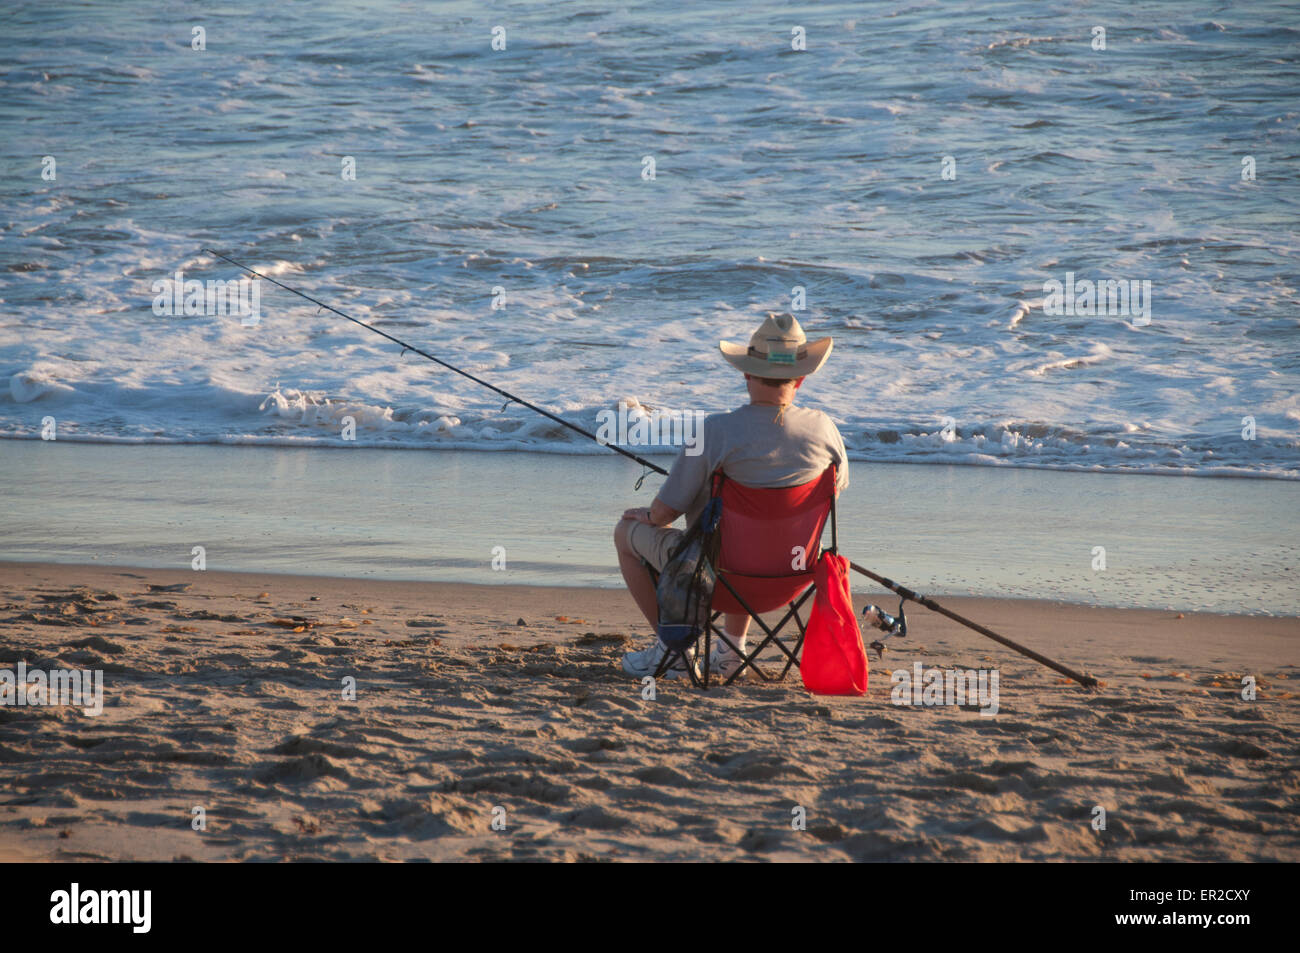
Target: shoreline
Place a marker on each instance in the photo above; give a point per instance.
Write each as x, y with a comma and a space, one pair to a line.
1227, 546
664, 456
610, 598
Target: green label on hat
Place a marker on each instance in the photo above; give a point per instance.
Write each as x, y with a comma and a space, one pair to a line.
780, 357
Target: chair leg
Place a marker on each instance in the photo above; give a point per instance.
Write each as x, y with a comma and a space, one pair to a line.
662, 667
774, 637
666, 662
750, 660
785, 619
773, 634
798, 646
708, 646
746, 661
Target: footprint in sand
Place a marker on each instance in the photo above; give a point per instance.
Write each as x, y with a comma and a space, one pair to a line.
99, 644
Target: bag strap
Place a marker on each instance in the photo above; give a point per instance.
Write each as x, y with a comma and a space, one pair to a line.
718, 479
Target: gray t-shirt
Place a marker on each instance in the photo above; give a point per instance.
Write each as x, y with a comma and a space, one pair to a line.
759, 446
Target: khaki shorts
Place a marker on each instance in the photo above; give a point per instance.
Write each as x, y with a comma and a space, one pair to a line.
653, 543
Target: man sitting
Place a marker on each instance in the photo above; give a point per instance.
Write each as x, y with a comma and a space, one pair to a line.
766, 443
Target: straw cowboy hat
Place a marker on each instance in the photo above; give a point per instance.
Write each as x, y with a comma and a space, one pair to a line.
778, 348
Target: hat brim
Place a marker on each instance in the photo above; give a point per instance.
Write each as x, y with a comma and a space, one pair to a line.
738, 356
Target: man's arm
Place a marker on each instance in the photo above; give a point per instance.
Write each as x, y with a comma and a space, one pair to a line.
842, 465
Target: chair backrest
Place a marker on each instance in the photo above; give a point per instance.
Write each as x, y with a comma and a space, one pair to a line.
765, 535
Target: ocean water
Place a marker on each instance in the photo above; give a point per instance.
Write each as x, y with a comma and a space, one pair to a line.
519, 177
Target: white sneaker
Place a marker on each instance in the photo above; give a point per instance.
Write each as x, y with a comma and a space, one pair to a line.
646, 662
723, 663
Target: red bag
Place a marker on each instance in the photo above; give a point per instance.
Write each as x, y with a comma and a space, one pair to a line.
834, 661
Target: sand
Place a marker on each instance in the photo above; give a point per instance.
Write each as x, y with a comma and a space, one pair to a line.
224, 691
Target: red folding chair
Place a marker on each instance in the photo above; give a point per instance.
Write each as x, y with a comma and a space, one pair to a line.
769, 543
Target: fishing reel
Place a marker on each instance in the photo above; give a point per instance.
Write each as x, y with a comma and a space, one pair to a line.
890, 625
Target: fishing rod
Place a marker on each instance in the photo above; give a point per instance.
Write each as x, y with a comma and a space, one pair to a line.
510, 398
1087, 681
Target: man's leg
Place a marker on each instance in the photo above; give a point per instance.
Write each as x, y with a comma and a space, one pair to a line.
724, 661
635, 574
639, 544
737, 626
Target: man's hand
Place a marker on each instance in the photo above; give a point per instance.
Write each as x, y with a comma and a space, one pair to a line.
639, 513
657, 514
